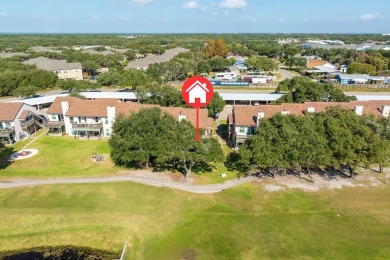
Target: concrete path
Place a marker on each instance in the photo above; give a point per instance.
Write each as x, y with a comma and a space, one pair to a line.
33, 139
208, 188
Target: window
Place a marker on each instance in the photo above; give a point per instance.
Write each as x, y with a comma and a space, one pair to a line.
96, 120
106, 121
71, 119
242, 129
107, 132
7, 124
54, 117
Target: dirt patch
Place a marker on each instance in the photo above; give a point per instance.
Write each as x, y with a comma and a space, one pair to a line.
362, 179
99, 158
272, 187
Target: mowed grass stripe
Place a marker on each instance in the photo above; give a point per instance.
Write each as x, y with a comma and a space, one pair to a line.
243, 223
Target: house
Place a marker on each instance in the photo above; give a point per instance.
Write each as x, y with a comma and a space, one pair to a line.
17, 121
316, 63
63, 69
196, 91
93, 119
244, 120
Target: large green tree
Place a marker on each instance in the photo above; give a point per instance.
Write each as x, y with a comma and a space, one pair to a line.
302, 89
152, 138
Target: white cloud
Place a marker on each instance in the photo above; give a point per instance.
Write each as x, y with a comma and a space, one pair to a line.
96, 17
141, 2
3, 14
226, 13
233, 3
369, 16
307, 19
281, 20
214, 13
204, 8
190, 5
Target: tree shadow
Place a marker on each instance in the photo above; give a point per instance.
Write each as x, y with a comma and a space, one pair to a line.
5, 154
222, 131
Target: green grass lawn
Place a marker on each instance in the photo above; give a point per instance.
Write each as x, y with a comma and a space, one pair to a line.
61, 157
242, 223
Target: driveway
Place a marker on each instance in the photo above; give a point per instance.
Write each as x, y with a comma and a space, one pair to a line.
209, 188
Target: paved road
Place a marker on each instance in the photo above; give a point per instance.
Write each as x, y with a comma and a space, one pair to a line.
209, 188
286, 74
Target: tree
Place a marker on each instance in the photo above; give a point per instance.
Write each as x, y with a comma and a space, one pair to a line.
357, 67
209, 50
203, 67
166, 144
25, 91
187, 154
302, 89
261, 63
163, 95
72, 85
90, 65
218, 63
348, 138
220, 48
130, 55
216, 105
131, 145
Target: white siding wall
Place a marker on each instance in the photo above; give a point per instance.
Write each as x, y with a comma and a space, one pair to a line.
18, 127
53, 118
241, 133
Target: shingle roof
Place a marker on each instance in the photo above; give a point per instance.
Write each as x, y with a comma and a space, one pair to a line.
52, 65
8, 110
314, 63
247, 115
145, 62
98, 108
24, 114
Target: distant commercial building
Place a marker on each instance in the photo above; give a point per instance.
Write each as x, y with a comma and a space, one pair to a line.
345, 79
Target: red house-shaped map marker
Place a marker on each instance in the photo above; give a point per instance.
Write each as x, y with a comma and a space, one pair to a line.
197, 92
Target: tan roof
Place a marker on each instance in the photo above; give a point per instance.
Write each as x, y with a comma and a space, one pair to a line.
98, 108
91, 108
247, 115
9, 110
44, 63
55, 107
315, 63
24, 114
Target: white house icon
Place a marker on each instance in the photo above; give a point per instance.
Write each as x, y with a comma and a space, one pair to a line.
197, 90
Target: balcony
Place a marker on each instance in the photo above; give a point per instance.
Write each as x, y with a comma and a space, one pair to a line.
7, 132
27, 124
53, 124
87, 127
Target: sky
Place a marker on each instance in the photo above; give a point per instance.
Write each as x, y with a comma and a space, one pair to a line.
195, 16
